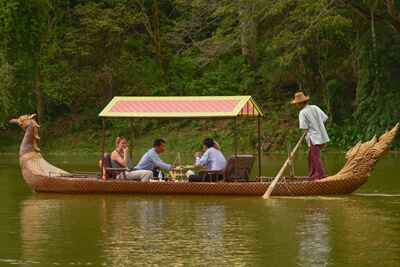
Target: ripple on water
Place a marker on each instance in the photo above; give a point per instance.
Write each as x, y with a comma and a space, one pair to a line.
311, 197
378, 195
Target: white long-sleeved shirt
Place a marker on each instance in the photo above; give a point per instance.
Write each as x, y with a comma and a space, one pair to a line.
213, 159
312, 118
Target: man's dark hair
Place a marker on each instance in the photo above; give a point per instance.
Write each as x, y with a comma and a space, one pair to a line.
208, 142
158, 142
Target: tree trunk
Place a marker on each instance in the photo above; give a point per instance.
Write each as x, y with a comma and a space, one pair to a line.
249, 33
253, 40
157, 42
39, 98
155, 35
245, 40
373, 34
326, 98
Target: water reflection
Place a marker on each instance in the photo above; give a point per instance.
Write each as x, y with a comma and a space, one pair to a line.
155, 230
114, 230
134, 229
347, 230
372, 232
35, 216
313, 233
209, 226
120, 230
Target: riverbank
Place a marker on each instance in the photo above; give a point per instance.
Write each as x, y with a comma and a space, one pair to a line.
185, 136
185, 140
180, 135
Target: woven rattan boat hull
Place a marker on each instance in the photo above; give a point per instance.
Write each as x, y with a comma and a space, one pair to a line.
44, 177
95, 186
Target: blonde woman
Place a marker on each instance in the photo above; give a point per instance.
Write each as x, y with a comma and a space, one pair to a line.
121, 159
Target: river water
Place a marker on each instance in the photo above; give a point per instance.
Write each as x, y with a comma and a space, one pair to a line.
361, 229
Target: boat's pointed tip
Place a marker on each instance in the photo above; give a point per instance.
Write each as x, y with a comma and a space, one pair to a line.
396, 128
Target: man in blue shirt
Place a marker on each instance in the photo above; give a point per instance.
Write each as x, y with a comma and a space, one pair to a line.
151, 161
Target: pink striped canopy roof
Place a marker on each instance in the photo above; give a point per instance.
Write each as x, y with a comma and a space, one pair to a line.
182, 107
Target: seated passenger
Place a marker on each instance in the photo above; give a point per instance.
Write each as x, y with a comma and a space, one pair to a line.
151, 161
212, 159
121, 159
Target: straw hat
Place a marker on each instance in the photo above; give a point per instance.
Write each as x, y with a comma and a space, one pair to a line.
299, 98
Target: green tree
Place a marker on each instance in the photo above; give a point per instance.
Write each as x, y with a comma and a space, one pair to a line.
377, 62
22, 33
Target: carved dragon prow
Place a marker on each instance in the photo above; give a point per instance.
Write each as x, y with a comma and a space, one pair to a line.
31, 129
30, 159
362, 158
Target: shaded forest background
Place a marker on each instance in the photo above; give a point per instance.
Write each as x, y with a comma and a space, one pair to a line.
65, 60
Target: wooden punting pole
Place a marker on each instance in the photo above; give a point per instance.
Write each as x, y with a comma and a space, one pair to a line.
289, 156
272, 185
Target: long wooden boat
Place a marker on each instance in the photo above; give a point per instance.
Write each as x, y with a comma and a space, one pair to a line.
41, 176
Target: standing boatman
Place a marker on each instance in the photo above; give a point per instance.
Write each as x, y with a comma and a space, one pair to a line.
312, 118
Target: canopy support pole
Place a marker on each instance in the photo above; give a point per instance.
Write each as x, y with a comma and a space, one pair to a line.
259, 146
130, 147
235, 150
103, 145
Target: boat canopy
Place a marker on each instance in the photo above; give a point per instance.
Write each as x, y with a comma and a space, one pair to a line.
185, 107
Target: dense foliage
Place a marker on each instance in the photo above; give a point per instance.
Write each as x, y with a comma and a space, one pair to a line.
65, 59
